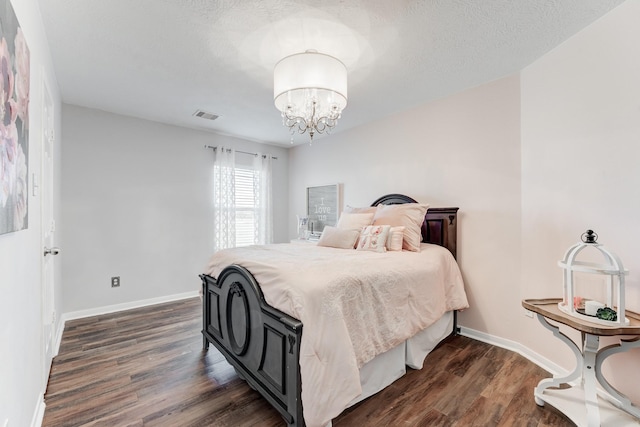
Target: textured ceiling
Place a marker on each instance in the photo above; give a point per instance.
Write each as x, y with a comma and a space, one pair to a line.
163, 59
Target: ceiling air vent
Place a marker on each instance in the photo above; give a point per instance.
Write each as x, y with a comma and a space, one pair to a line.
205, 115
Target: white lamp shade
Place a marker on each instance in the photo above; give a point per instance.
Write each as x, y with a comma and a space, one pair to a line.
310, 74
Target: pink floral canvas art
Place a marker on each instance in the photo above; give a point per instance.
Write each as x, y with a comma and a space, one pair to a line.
14, 122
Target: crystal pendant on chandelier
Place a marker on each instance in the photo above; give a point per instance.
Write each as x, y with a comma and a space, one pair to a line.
310, 90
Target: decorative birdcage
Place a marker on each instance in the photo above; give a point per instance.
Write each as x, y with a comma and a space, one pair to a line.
610, 312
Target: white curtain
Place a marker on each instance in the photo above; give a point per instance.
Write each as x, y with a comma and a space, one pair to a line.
224, 215
263, 233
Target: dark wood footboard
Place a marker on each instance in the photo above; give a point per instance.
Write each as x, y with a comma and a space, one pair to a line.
260, 342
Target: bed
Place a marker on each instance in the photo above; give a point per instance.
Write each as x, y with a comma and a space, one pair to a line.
266, 344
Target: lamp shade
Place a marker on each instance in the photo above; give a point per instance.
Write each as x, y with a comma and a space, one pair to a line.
299, 77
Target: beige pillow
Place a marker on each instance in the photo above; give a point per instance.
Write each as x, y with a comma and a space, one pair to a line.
395, 238
408, 215
354, 221
368, 209
373, 238
338, 238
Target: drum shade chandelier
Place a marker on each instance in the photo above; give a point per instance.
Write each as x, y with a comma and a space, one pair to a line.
310, 90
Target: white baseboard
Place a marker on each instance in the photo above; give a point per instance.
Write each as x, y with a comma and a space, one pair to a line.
38, 414
525, 352
126, 306
58, 340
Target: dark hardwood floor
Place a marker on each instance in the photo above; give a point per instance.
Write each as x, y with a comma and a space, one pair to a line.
146, 367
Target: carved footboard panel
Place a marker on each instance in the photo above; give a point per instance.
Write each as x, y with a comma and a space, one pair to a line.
261, 343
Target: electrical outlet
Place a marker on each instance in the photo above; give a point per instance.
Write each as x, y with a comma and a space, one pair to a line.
115, 282
6, 423
528, 313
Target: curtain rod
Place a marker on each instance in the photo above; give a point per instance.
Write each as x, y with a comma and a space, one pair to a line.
243, 152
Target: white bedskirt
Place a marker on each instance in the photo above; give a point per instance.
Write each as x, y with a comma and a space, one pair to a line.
387, 367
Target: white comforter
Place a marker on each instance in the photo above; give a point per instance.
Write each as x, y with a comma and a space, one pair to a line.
353, 306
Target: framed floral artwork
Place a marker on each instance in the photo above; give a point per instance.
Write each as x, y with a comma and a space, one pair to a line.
14, 122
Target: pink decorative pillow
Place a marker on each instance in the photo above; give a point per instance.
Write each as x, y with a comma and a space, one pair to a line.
373, 238
408, 215
395, 239
337, 238
354, 221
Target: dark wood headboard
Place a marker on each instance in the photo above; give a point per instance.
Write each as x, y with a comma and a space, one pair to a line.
439, 226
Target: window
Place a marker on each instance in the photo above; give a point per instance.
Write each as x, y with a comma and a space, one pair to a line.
241, 199
245, 207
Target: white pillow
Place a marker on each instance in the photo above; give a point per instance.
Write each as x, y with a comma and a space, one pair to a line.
373, 238
395, 238
354, 221
409, 215
337, 238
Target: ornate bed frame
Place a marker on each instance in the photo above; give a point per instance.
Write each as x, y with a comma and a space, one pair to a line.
263, 343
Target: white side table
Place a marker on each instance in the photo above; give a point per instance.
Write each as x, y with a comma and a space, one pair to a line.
585, 403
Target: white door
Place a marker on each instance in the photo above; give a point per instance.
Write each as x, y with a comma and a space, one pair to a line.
48, 232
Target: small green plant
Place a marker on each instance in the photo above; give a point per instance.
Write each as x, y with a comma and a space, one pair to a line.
607, 313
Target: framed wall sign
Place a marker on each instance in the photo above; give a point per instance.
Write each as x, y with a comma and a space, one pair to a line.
323, 207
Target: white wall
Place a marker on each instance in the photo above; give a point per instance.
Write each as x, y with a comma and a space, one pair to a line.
136, 201
460, 151
22, 378
580, 151
532, 164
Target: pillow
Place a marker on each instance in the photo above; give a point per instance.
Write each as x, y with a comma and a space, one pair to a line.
338, 238
354, 221
408, 215
373, 238
395, 238
368, 209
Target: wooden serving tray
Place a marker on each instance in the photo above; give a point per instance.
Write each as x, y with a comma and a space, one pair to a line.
548, 308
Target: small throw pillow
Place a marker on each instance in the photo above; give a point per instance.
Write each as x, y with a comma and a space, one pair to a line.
354, 221
337, 238
408, 215
395, 238
373, 238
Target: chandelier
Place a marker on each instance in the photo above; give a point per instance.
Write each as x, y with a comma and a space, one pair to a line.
310, 90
